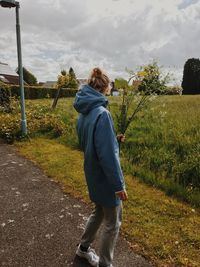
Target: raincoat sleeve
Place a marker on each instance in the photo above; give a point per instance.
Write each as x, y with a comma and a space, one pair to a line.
107, 151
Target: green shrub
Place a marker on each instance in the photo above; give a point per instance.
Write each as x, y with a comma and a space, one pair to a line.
173, 90
10, 127
39, 120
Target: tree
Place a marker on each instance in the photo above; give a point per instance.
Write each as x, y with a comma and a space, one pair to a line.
63, 79
62, 82
191, 77
29, 78
152, 79
72, 79
133, 101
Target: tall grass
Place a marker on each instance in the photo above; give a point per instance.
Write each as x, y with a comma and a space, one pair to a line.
163, 146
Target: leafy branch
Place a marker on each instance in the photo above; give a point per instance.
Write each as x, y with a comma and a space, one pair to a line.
147, 83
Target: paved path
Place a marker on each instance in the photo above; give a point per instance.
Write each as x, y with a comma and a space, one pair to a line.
40, 225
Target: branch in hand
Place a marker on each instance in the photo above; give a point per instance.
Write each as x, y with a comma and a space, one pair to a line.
121, 138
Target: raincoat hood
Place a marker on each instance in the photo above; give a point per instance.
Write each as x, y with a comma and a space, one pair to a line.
87, 99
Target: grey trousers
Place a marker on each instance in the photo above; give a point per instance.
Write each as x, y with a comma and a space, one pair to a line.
111, 219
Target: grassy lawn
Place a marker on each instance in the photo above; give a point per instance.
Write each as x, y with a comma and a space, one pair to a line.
160, 227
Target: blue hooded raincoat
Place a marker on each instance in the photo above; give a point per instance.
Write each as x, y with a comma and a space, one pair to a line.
98, 141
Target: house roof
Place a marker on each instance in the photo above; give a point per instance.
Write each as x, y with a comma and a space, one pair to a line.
82, 80
5, 69
10, 79
3, 79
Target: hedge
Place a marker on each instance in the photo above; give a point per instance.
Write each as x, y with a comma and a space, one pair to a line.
36, 92
173, 90
4, 97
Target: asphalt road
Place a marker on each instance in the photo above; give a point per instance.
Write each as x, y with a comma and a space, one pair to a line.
40, 225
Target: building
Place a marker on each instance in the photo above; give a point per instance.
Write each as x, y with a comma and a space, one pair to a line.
115, 92
50, 84
8, 75
81, 81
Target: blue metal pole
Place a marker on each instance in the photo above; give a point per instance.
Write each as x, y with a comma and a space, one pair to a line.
20, 68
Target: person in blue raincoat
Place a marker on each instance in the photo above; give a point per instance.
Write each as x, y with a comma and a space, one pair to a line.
102, 168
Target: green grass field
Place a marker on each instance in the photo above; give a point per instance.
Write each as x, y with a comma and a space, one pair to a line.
162, 150
162, 147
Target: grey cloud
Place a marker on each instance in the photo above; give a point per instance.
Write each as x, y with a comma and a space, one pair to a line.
122, 44
42, 14
186, 3
184, 44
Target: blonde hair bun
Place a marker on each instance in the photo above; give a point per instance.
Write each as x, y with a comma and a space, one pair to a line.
98, 80
96, 73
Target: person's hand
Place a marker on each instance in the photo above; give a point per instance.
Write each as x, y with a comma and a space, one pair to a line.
121, 138
122, 195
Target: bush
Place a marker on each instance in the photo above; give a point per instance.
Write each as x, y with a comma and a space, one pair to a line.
4, 97
36, 92
10, 127
173, 90
39, 120
153, 81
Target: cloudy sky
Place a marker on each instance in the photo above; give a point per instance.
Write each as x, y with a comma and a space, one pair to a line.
113, 34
